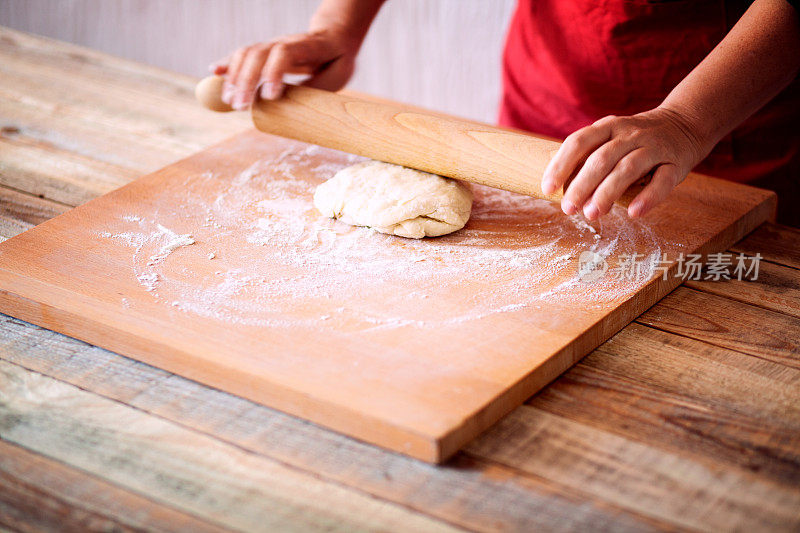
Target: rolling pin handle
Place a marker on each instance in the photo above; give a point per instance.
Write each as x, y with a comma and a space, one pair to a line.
209, 93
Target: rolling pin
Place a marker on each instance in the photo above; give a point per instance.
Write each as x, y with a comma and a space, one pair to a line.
404, 135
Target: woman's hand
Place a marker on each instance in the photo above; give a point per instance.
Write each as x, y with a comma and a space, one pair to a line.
614, 152
327, 55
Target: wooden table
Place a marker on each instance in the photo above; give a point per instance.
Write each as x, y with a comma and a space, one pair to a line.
687, 419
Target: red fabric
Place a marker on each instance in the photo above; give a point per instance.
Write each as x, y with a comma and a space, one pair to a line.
568, 63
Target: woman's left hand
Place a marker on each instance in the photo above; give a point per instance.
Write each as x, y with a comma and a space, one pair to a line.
614, 152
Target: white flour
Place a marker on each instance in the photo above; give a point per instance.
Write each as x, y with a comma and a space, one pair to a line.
172, 241
259, 254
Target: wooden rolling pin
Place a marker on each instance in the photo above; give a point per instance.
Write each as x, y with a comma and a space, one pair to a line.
462, 149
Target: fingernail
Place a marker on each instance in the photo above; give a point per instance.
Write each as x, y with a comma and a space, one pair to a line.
590, 211
227, 92
271, 90
263, 92
239, 102
547, 186
568, 207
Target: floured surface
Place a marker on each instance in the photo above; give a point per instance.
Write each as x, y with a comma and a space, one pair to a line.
266, 237
219, 268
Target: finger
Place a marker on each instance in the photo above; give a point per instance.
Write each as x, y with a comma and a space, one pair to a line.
333, 76
278, 63
219, 67
233, 70
300, 54
248, 76
598, 165
630, 168
574, 150
665, 178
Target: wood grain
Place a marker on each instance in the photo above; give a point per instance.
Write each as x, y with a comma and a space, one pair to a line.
469, 491
641, 456
689, 398
71, 138
626, 472
777, 288
776, 243
730, 325
20, 211
149, 455
26, 208
40, 494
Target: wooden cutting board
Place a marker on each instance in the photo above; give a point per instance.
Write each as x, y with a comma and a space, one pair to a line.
219, 269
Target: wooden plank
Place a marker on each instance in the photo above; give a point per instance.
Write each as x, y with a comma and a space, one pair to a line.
72, 138
116, 111
41, 169
25, 208
637, 476
10, 226
91, 134
776, 243
722, 408
256, 428
285, 354
467, 492
728, 323
39, 494
20, 211
777, 288
194, 473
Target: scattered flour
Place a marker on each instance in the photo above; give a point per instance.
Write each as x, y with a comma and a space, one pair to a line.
148, 280
279, 263
172, 242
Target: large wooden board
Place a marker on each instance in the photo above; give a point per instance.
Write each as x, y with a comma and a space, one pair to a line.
416, 346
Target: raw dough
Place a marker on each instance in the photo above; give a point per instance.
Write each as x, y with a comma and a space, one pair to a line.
395, 200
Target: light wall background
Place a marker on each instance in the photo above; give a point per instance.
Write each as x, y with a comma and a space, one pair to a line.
440, 54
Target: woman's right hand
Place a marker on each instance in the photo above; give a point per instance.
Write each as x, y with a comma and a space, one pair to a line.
327, 55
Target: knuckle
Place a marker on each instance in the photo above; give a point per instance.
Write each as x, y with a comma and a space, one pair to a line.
578, 140
603, 160
281, 48
580, 189
626, 167
237, 56
674, 178
255, 53
606, 120
603, 201
635, 135
248, 50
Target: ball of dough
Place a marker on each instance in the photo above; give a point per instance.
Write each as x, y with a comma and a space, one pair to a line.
395, 200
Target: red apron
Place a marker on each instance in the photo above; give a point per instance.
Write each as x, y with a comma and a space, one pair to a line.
568, 63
